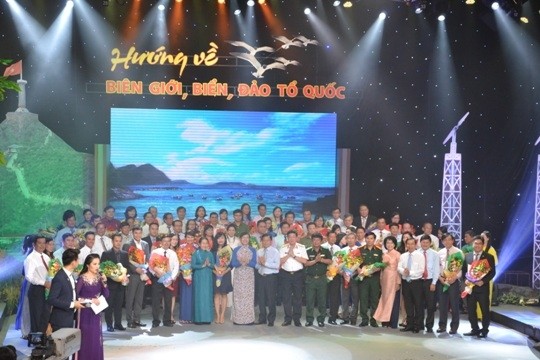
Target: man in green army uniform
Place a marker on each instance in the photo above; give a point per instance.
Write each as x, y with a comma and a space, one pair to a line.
318, 260
370, 286
306, 240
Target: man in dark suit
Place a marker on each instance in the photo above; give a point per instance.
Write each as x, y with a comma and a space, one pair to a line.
365, 220
480, 291
117, 290
135, 288
62, 296
153, 231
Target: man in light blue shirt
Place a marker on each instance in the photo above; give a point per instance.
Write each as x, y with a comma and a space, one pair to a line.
68, 242
268, 264
430, 277
70, 223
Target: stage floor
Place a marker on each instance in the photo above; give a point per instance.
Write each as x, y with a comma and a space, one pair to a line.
346, 342
529, 315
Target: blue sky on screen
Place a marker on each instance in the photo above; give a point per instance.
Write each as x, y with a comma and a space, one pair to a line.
205, 147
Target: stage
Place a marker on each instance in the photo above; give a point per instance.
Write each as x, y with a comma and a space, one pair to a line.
230, 341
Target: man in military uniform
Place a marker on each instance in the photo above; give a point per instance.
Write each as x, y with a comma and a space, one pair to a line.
370, 287
318, 259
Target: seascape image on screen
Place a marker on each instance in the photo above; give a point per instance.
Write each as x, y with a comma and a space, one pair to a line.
221, 159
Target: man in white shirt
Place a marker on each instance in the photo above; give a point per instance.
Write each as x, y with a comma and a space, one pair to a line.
333, 288
336, 220
427, 229
262, 213
68, 242
451, 280
159, 291
411, 267
148, 219
125, 231
349, 288
167, 226
381, 233
268, 264
293, 257
88, 248
35, 271
103, 242
181, 215
430, 276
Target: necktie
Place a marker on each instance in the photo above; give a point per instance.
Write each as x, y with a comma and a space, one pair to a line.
169, 227
409, 264
475, 256
103, 243
118, 256
165, 253
425, 274
44, 263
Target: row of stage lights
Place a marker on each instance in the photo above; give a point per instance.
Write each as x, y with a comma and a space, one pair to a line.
512, 7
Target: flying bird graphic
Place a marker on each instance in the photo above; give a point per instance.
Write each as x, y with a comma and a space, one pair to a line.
252, 51
261, 69
288, 43
305, 41
287, 62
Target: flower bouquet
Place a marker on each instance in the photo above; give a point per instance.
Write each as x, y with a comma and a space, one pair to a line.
452, 268
116, 272
351, 261
53, 266
478, 269
78, 235
184, 253
369, 270
224, 259
253, 242
48, 232
137, 258
77, 271
160, 265
337, 263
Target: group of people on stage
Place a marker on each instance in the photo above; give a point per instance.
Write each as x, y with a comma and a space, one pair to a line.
205, 263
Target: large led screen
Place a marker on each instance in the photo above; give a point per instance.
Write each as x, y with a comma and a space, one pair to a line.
221, 159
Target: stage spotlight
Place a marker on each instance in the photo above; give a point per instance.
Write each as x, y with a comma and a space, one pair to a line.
337, 3
524, 20
495, 6
221, 1
262, 2
251, 3
347, 4
418, 5
470, 2
307, 11
237, 12
382, 15
69, 3
441, 17
161, 7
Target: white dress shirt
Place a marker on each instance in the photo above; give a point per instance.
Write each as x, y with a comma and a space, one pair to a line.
34, 269
417, 265
443, 256
433, 264
332, 248
271, 263
100, 242
84, 252
292, 264
173, 260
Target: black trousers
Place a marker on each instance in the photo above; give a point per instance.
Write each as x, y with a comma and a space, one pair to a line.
292, 285
266, 296
412, 297
117, 293
449, 297
38, 308
428, 300
333, 295
161, 292
479, 295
